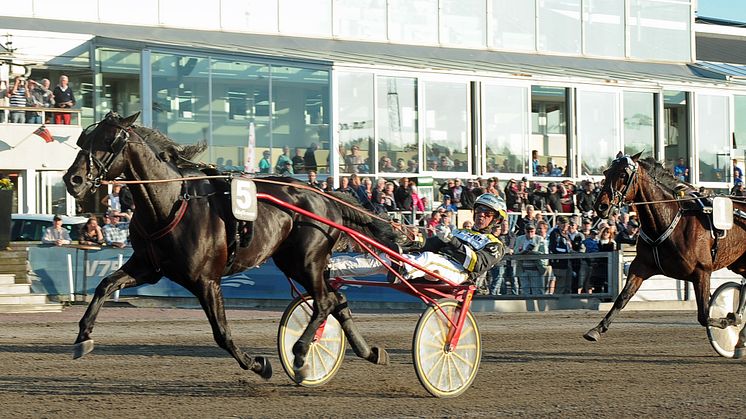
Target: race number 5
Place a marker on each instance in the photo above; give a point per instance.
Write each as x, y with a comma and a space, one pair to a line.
243, 199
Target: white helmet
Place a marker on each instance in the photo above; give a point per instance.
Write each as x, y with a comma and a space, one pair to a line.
495, 203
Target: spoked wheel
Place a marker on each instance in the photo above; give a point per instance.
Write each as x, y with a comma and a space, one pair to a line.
445, 373
723, 304
325, 354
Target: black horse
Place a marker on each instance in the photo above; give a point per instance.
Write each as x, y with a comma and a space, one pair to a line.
185, 230
677, 238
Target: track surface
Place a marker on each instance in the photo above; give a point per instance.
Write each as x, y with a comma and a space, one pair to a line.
163, 363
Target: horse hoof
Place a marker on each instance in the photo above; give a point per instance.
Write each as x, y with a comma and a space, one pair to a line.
300, 374
263, 367
592, 335
739, 353
380, 356
82, 348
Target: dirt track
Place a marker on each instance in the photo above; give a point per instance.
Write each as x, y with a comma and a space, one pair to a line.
164, 363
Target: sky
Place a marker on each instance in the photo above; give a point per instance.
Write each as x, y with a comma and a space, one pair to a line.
734, 10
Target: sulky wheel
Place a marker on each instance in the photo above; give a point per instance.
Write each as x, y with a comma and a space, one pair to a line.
723, 303
445, 373
325, 354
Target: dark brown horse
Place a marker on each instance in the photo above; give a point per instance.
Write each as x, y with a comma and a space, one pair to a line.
676, 236
185, 230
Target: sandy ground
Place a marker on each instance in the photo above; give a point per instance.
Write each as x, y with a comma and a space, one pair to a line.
163, 363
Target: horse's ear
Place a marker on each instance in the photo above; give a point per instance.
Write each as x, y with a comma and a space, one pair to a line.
131, 119
636, 157
619, 154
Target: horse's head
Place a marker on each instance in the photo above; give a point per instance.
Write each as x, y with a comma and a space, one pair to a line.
619, 184
100, 155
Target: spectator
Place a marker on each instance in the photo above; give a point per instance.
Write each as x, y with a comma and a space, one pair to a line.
402, 195
34, 99
17, 96
401, 165
501, 275
387, 197
91, 233
586, 197
433, 222
299, 164
529, 218
329, 184
560, 243
554, 198
576, 239
56, 234
116, 234
386, 165
417, 203
447, 205
629, 235
344, 186
63, 98
312, 180
468, 224
535, 162
112, 201
587, 264
446, 163
530, 272
284, 158
412, 166
265, 163
567, 199
511, 196
680, 171
737, 173
469, 194
537, 197
309, 158
126, 201
287, 170
4, 101
354, 161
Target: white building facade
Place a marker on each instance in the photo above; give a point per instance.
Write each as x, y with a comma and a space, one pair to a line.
441, 88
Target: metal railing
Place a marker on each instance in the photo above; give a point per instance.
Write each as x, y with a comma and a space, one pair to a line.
47, 115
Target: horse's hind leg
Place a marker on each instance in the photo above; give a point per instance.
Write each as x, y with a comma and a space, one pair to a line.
634, 280
116, 281
323, 303
211, 298
342, 313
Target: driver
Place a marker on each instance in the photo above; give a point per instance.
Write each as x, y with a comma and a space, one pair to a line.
460, 255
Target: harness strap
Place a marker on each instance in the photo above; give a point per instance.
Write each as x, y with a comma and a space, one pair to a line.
150, 238
655, 243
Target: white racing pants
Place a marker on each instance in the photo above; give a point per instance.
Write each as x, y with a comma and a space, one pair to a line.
365, 265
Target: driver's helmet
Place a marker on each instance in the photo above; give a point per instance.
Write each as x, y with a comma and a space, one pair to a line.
494, 203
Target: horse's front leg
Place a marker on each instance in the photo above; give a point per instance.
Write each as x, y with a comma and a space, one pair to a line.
702, 297
211, 298
636, 275
116, 281
342, 313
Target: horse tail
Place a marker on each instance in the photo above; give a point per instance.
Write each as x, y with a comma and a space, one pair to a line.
362, 221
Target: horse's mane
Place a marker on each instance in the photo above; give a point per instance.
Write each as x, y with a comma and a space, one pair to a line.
366, 223
662, 175
161, 143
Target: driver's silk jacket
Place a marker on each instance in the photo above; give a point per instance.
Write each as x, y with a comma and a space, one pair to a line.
476, 252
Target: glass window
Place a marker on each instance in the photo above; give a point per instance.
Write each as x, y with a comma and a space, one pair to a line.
659, 30
413, 21
559, 26
447, 144
713, 134
181, 101
249, 15
356, 114
360, 19
639, 123
300, 111
397, 122
598, 132
505, 128
240, 97
740, 122
676, 129
303, 17
548, 142
51, 195
513, 25
120, 82
462, 22
603, 25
